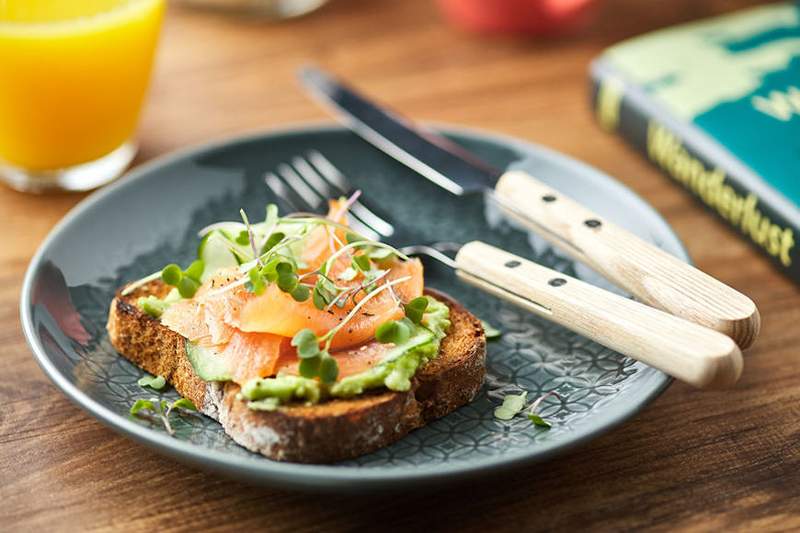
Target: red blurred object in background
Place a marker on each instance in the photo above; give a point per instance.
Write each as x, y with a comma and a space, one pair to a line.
535, 17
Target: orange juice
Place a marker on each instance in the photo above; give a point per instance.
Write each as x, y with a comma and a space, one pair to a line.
73, 75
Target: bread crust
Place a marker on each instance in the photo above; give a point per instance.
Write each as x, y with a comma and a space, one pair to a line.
331, 431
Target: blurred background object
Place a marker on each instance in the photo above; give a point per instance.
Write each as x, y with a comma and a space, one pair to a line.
73, 76
276, 9
535, 17
715, 104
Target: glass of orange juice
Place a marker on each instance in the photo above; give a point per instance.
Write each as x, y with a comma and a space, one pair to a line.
73, 76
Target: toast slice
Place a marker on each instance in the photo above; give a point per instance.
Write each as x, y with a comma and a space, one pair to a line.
331, 431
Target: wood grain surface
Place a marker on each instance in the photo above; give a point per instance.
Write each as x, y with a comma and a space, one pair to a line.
693, 460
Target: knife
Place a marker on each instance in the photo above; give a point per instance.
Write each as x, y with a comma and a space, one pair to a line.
650, 274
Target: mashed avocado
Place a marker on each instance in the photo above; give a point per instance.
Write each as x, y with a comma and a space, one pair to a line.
394, 372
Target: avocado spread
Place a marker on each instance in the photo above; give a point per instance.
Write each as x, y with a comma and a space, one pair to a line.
394, 371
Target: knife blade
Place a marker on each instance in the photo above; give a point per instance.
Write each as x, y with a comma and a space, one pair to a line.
432, 155
652, 275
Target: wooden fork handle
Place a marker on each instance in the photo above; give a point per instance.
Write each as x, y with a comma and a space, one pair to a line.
650, 274
687, 351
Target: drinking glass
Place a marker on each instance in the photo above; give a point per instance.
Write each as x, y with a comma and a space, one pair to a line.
73, 76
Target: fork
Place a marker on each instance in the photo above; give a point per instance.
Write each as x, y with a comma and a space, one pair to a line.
689, 352
314, 180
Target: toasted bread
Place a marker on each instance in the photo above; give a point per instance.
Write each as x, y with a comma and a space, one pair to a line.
322, 433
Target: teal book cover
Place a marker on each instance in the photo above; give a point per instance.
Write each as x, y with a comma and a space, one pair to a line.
716, 105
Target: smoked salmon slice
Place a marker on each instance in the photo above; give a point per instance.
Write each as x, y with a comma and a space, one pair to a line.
255, 355
352, 361
325, 240
253, 332
205, 319
277, 312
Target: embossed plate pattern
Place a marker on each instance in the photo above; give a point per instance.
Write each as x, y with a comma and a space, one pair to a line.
151, 218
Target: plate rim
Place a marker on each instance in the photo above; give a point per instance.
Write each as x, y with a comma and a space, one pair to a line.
310, 476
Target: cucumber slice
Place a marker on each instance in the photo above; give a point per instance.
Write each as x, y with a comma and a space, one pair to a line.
216, 253
207, 364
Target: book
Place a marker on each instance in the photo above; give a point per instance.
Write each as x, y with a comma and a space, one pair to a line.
715, 104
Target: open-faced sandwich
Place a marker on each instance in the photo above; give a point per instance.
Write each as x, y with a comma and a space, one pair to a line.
307, 342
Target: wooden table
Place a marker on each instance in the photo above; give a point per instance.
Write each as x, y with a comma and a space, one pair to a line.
693, 460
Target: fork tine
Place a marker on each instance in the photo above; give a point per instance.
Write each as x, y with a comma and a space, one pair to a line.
328, 170
293, 180
373, 220
363, 229
311, 187
306, 177
312, 177
324, 170
281, 191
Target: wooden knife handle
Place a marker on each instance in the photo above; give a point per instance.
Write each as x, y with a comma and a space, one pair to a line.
687, 351
650, 274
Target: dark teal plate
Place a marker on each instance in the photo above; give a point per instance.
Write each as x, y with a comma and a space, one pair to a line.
151, 217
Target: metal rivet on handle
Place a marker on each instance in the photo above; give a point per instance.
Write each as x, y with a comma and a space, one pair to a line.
548, 198
557, 282
513, 264
593, 223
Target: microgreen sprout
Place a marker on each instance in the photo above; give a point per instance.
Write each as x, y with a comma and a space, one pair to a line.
318, 298
328, 369
513, 404
360, 263
328, 337
187, 287
195, 270
271, 217
272, 241
301, 293
183, 403
534, 417
161, 409
187, 281
287, 277
490, 331
314, 362
381, 255
378, 249
348, 274
315, 220
327, 293
307, 344
346, 205
331, 294
282, 271
251, 238
243, 238
399, 331
138, 283
154, 382
255, 283
309, 368
415, 309
539, 421
172, 274
351, 237
275, 243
